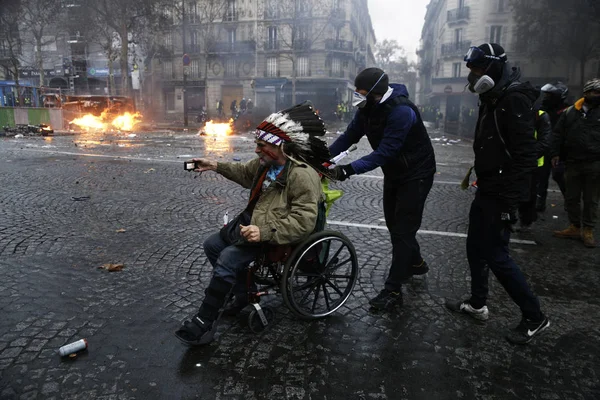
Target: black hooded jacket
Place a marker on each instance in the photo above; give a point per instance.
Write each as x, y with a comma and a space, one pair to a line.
505, 144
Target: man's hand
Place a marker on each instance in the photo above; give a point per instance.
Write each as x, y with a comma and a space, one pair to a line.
251, 233
203, 164
342, 172
555, 161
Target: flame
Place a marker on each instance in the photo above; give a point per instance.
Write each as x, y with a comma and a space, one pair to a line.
124, 122
218, 129
127, 121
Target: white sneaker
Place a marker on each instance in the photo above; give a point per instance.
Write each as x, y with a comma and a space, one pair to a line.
481, 314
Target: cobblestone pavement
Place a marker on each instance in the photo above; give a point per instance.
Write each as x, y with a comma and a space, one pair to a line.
64, 199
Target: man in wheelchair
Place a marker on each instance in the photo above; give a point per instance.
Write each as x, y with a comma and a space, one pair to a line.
285, 192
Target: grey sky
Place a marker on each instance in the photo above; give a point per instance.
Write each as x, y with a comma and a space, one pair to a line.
401, 20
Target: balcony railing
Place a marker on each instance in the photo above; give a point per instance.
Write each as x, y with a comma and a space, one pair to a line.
301, 44
245, 46
272, 45
455, 48
193, 48
458, 14
339, 45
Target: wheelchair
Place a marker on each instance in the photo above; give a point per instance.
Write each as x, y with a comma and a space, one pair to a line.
315, 277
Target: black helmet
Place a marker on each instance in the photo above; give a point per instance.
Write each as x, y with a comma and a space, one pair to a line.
557, 88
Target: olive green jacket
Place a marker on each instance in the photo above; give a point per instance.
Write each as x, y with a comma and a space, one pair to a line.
286, 212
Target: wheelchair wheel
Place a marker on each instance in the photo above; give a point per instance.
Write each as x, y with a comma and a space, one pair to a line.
256, 323
319, 275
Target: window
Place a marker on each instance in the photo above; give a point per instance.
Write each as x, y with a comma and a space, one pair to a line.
461, 3
272, 34
169, 40
458, 35
501, 5
456, 70
271, 66
495, 34
302, 66
194, 69
336, 66
230, 68
192, 13
170, 100
230, 15
271, 9
168, 69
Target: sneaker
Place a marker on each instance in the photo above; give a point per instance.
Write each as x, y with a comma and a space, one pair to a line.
196, 332
419, 269
465, 307
527, 330
386, 300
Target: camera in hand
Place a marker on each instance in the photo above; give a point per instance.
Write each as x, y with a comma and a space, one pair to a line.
189, 165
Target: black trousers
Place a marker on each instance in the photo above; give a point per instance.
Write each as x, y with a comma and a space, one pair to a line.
543, 174
403, 210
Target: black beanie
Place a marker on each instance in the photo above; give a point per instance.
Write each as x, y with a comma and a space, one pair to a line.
368, 77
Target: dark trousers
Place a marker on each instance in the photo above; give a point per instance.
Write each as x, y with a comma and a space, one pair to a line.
583, 184
403, 210
487, 248
543, 176
527, 211
230, 262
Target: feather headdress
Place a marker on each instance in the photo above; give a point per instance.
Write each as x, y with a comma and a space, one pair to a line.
298, 129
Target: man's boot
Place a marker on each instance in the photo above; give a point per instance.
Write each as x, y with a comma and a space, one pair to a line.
587, 235
201, 329
572, 232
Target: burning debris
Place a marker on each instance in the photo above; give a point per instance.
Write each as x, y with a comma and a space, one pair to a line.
124, 122
216, 129
28, 130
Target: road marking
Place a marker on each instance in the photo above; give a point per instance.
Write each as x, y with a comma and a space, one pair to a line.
421, 231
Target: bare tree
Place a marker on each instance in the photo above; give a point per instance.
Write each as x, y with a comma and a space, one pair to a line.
300, 25
40, 16
10, 40
551, 29
123, 17
390, 57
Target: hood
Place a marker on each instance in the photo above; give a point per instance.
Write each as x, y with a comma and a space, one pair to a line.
398, 89
510, 83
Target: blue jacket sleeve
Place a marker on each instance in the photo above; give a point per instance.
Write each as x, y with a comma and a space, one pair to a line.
399, 123
352, 135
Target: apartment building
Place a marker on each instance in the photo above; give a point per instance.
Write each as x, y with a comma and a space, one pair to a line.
274, 52
450, 28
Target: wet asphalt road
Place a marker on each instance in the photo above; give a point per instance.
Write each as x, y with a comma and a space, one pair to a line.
70, 204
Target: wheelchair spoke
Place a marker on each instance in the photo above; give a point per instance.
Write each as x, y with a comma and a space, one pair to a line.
326, 296
313, 285
314, 305
334, 287
334, 257
341, 264
340, 276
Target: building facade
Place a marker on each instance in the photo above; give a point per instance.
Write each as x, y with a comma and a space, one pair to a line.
450, 28
274, 52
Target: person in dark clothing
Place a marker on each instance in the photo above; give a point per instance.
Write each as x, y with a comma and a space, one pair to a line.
403, 150
543, 136
505, 158
577, 142
233, 109
554, 102
243, 106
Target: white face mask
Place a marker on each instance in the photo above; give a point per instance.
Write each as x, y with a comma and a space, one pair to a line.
480, 85
359, 100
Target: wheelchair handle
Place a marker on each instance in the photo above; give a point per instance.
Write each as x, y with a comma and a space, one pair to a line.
339, 157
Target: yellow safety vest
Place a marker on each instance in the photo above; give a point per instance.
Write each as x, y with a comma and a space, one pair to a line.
540, 161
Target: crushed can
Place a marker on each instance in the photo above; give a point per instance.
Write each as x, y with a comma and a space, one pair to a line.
226, 218
73, 347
